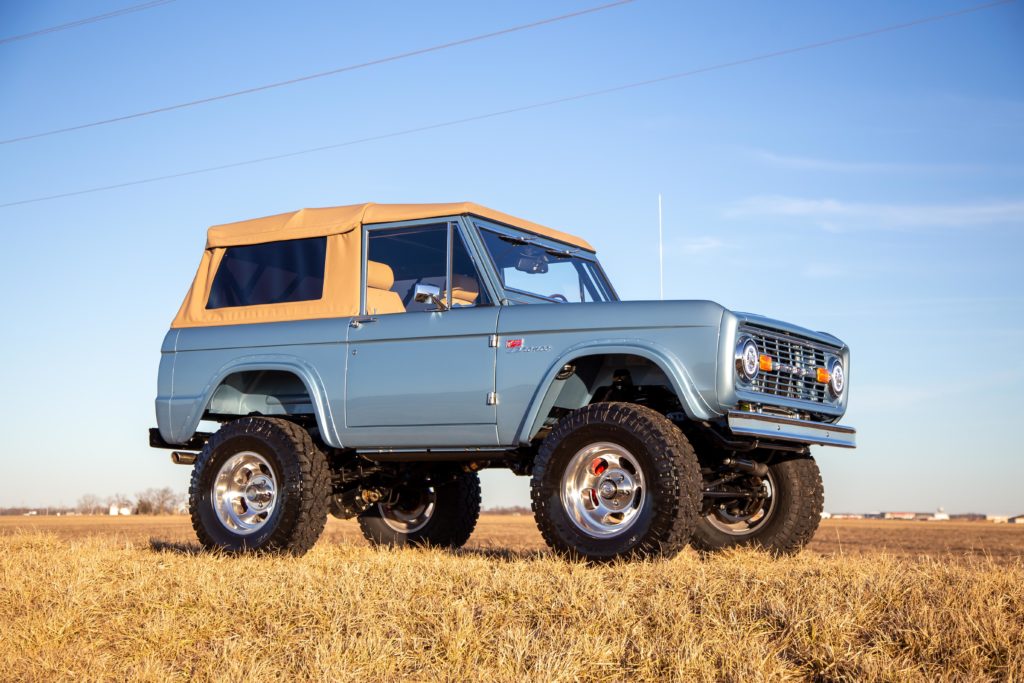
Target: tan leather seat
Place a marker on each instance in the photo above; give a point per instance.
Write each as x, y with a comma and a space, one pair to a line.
379, 297
465, 290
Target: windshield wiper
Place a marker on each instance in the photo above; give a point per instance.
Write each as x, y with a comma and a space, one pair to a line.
516, 240
529, 241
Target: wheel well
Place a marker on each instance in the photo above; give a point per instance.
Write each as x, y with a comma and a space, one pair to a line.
260, 392
606, 377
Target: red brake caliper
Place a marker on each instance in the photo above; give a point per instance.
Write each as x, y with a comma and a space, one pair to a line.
597, 467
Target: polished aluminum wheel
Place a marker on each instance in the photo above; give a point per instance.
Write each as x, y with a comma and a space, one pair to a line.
407, 517
743, 522
244, 493
603, 489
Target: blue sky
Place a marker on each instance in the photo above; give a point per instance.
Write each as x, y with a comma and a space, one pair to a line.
874, 189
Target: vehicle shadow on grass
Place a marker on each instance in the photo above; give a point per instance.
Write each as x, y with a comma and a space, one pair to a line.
502, 554
179, 547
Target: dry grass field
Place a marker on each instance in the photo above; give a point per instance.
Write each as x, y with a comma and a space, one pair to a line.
94, 598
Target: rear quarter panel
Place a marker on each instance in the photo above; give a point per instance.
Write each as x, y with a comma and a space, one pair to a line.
202, 356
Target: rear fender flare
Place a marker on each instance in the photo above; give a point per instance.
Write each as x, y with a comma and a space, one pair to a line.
306, 373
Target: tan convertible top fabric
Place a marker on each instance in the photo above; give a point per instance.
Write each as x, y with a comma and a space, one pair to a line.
344, 257
341, 219
340, 298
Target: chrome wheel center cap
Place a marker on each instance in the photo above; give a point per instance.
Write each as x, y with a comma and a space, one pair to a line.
616, 485
259, 492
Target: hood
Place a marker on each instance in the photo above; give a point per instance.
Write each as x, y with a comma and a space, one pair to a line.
760, 320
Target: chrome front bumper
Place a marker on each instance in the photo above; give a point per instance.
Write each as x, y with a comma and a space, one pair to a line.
776, 428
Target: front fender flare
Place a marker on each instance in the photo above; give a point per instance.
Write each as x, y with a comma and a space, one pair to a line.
693, 403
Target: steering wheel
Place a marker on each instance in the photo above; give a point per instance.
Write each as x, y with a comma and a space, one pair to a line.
558, 297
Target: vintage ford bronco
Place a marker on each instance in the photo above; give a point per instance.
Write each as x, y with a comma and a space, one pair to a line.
369, 360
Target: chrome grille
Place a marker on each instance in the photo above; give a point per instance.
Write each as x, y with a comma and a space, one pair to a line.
800, 359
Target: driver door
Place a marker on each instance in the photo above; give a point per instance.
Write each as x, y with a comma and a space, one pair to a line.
419, 374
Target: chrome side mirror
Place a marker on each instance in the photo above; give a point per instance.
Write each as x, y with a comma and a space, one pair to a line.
423, 294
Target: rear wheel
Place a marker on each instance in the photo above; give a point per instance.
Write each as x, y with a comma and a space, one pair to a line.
778, 512
442, 513
616, 480
260, 484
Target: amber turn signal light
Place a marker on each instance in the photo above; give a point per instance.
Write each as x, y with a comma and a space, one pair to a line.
824, 376
765, 362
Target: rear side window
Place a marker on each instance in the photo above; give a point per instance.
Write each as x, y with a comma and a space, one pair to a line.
272, 273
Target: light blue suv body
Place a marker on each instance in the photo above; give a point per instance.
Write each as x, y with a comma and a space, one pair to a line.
493, 377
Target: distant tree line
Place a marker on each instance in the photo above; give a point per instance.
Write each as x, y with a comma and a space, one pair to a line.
159, 502
163, 501
21, 510
511, 510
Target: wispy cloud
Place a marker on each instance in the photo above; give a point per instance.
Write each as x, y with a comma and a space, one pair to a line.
847, 166
824, 271
929, 307
894, 397
836, 214
699, 245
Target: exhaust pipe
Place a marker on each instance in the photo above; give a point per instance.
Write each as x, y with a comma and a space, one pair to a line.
183, 458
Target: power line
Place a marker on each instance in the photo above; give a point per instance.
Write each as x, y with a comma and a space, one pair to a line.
87, 20
323, 74
526, 107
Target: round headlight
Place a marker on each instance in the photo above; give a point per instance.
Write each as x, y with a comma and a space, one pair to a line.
747, 358
837, 383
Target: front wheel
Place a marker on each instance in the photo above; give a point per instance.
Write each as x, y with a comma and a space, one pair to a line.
616, 480
440, 513
778, 512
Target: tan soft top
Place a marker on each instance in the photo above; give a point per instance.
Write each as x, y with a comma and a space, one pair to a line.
340, 225
337, 220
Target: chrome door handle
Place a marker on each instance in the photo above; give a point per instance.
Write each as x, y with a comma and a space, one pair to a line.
359, 322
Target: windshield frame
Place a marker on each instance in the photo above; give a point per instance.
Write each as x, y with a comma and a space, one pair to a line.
514, 295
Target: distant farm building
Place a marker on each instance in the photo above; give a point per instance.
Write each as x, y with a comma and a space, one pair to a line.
826, 515
1019, 519
120, 510
997, 519
847, 515
969, 517
939, 516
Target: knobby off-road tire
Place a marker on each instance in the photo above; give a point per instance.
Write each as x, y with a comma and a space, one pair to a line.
799, 498
441, 515
587, 475
260, 484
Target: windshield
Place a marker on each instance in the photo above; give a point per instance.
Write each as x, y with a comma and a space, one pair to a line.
561, 274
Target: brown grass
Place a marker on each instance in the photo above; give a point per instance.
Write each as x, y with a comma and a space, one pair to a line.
515, 536
91, 599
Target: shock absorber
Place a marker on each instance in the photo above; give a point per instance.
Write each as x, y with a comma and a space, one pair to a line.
757, 469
